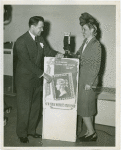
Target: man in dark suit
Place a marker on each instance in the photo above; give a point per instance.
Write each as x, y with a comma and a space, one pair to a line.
31, 49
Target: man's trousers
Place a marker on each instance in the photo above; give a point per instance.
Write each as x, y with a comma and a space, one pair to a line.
28, 110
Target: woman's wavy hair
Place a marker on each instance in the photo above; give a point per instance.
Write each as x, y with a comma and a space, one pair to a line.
90, 21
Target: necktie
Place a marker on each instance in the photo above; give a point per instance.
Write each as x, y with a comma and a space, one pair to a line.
36, 40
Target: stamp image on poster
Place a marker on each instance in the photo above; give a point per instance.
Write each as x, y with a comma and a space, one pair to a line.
63, 88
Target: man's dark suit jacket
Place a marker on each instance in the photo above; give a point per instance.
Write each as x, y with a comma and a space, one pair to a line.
30, 60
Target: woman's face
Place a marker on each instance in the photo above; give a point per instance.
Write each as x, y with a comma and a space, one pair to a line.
86, 31
58, 86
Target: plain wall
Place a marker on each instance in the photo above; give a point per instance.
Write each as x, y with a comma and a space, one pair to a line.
65, 18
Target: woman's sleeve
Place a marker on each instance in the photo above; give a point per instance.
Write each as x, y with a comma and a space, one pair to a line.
77, 55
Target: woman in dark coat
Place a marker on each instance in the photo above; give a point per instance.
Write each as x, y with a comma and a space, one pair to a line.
89, 55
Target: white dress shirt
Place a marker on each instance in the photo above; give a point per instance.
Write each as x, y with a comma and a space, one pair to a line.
32, 35
86, 43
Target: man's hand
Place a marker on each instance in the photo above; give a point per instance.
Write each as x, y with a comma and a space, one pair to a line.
47, 77
87, 87
59, 55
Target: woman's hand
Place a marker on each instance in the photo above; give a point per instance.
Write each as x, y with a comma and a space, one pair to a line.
87, 87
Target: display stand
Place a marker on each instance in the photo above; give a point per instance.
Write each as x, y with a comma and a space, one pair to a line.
60, 99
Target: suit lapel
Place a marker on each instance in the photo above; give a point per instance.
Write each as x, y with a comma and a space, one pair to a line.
40, 52
81, 48
31, 43
88, 46
36, 50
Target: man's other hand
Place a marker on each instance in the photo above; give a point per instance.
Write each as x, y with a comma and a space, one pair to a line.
87, 87
47, 77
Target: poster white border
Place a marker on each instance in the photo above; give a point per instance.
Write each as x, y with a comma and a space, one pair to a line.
118, 68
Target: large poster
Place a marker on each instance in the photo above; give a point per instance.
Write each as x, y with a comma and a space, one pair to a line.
60, 97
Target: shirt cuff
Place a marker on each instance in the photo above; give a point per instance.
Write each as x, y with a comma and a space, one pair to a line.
41, 75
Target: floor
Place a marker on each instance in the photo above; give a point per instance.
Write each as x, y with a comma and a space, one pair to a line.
106, 134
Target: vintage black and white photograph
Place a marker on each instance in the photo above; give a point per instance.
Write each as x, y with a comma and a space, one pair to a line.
33, 31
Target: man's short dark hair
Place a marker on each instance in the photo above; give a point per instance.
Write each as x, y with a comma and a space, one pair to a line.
34, 20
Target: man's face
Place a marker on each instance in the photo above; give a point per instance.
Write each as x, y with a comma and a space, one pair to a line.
38, 28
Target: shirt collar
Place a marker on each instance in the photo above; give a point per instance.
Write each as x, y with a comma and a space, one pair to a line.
32, 35
89, 39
